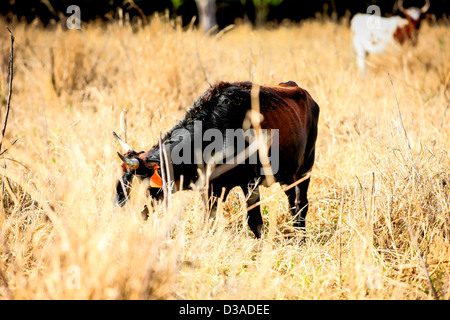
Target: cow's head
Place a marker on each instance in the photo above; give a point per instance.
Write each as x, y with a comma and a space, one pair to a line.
413, 14
135, 164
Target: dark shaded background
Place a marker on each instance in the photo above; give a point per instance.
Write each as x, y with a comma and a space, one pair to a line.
227, 10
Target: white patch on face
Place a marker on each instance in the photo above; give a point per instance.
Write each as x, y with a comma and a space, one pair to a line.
414, 13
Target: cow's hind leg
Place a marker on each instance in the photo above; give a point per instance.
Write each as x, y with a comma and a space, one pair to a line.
361, 54
294, 203
254, 219
298, 202
302, 203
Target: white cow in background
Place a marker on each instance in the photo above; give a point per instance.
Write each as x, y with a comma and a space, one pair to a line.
372, 33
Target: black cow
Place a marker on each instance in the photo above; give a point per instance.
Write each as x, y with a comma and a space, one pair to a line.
225, 106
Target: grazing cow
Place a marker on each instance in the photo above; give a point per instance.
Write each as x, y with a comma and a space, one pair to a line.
286, 109
373, 34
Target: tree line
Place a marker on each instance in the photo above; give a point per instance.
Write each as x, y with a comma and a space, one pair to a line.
210, 12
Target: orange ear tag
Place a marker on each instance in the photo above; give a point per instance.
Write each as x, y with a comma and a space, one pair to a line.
155, 179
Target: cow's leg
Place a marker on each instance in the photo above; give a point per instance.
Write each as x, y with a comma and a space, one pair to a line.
361, 54
361, 62
298, 202
254, 219
302, 203
294, 201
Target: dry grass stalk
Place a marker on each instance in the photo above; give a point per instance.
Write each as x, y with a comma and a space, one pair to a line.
10, 81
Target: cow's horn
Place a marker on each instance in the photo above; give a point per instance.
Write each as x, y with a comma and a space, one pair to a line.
400, 6
132, 163
425, 7
122, 143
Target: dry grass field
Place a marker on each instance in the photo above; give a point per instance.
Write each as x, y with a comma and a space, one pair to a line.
378, 226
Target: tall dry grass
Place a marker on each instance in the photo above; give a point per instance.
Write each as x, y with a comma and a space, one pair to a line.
378, 223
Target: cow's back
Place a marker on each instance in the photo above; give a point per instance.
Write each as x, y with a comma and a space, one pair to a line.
285, 107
